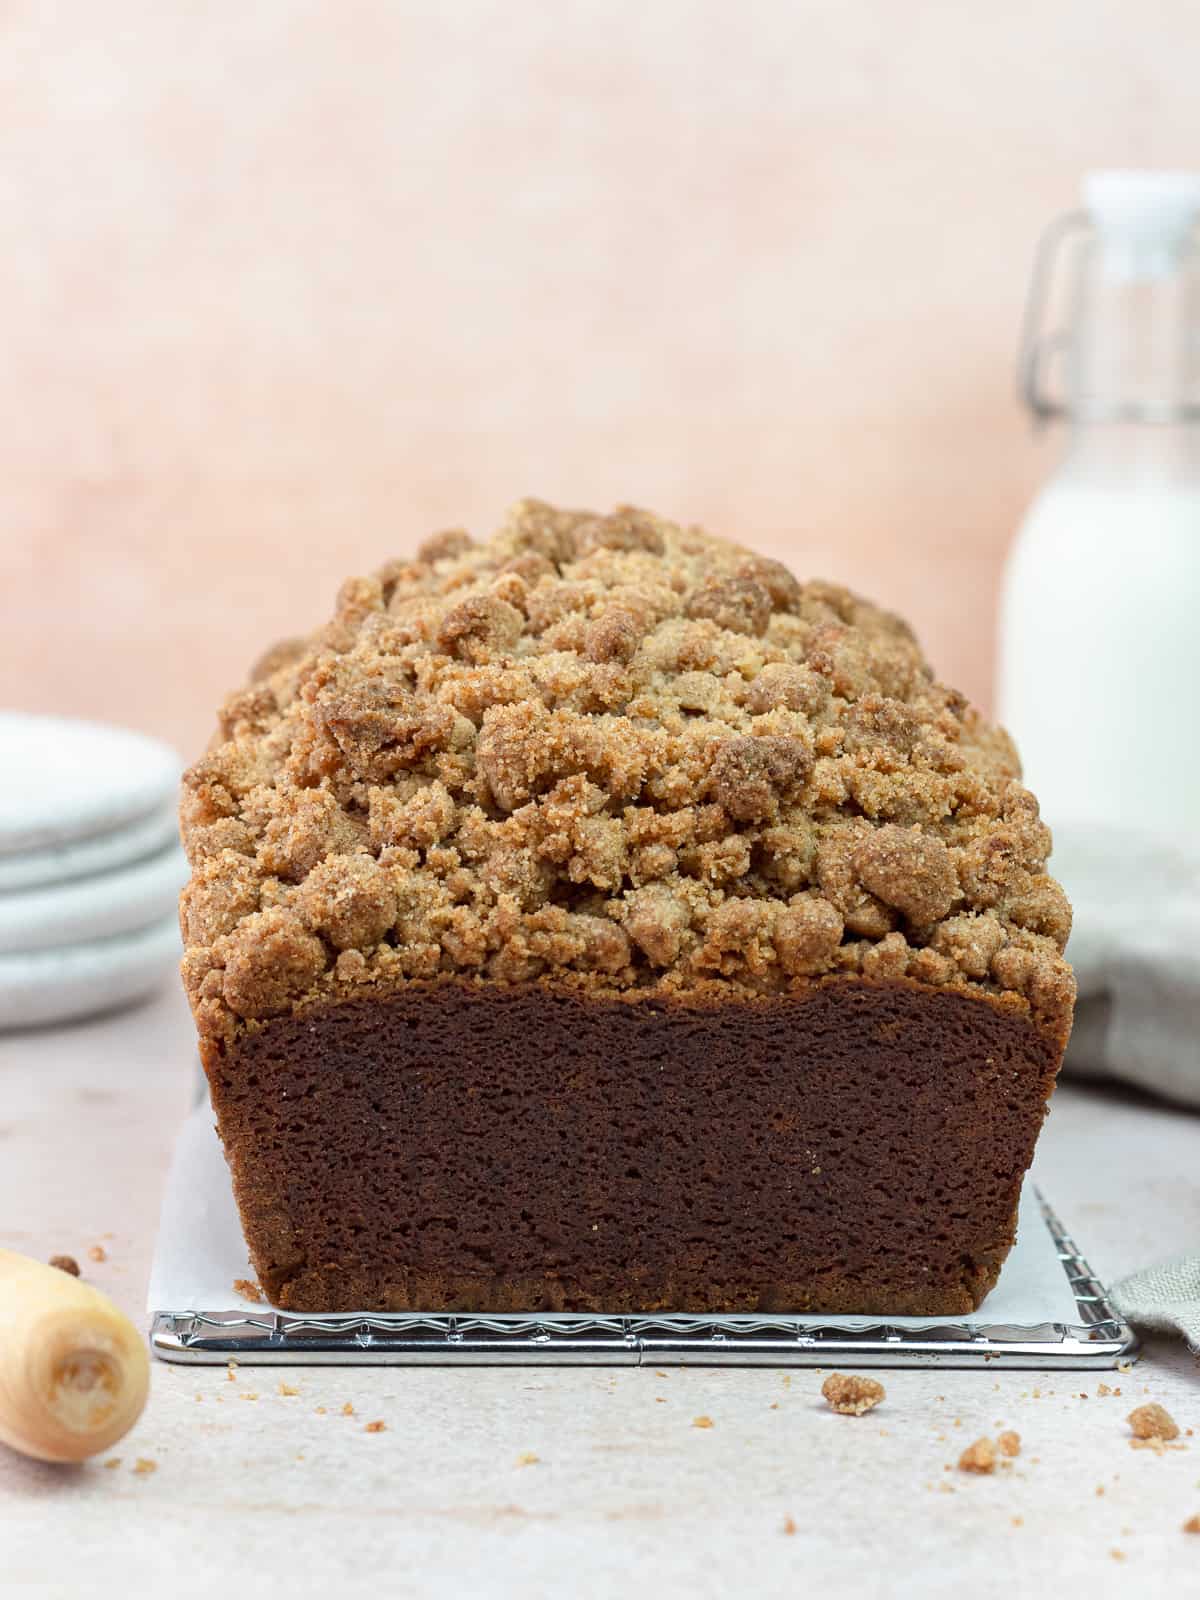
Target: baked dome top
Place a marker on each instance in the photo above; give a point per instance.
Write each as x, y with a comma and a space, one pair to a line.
614, 752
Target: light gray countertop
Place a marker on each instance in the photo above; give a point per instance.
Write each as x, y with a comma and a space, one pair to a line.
286, 1489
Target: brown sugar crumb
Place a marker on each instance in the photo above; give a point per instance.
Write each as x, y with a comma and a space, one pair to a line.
1192, 1525
850, 1395
702, 1422
66, 1264
789, 1524
97, 1253
528, 1458
1152, 1422
250, 1291
1010, 1443
978, 1457
288, 1388
378, 1426
112, 1463
347, 1409
144, 1466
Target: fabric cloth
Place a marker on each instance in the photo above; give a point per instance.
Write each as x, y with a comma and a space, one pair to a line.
1163, 1299
1135, 947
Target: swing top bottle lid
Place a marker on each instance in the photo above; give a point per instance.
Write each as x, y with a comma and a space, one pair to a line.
1145, 218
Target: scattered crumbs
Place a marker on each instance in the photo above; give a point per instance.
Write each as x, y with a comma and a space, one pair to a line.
659, 1400
66, 1264
231, 1372
528, 1458
113, 1462
946, 1488
1152, 1422
347, 1409
378, 1426
958, 1422
939, 1397
1124, 1366
248, 1394
787, 1378
1010, 1443
1192, 1525
661, 1374
996, 1386
199, 1398
1018, 1522
1102, 1389
850, 1395
288, 1388
789, 1524
1187, 1432
1037, 1394
1083, 1394
978, 1457
249, 1290
1099, 1488
774, 1406
702, 1422
1117, 1392
97, 1253
144, 1466
1117, 1555
320, 1411
883, 1433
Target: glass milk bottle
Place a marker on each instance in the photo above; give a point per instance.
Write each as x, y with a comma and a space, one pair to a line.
1099, 671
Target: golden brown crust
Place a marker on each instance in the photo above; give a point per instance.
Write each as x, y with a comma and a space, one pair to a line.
616, 751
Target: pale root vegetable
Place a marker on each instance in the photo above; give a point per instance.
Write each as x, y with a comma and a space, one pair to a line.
74, 1372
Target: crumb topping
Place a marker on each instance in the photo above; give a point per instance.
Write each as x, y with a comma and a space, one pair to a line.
1153, 1422
616, 752
978, 1457
851, 1395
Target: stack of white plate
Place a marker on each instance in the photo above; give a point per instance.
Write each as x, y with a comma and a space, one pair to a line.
90, 867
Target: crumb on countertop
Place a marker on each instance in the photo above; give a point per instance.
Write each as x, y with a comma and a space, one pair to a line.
978, 1457
97, 1253
248, 1290
347, 1409
288, 1389
1152, 1422
66, 1264
850, 1395
378, 1426
789, 1524
144, 1466
113, 1462
1192, 1525
1009, 1442
528, 1458
702, 1422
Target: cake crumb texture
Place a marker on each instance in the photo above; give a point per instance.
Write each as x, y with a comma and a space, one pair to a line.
851, 1395
617, 751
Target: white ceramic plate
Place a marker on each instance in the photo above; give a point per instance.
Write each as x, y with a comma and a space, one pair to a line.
94, 908
62, 780
56, 985
103, 852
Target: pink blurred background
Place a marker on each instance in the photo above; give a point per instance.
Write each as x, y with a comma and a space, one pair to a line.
285, 286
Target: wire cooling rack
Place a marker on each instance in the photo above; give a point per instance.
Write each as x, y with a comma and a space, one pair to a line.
1099, 1338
